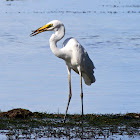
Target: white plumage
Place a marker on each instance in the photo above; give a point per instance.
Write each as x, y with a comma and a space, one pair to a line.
79, 60
75, 56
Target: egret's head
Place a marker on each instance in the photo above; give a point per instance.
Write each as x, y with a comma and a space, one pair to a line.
52, 25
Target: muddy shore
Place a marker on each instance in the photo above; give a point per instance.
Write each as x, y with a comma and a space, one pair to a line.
24, 124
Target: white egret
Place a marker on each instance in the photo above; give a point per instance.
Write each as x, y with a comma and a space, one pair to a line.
75, 56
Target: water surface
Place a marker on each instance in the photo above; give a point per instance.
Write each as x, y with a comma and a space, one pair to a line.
32, 77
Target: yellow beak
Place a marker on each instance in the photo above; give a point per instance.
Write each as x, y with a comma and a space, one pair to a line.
41, 29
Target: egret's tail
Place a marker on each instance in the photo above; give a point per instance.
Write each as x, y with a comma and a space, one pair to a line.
88, 81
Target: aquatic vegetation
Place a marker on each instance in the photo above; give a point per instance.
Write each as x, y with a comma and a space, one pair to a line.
44, 125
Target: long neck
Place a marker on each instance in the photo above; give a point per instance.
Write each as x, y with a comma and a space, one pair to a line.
58, 35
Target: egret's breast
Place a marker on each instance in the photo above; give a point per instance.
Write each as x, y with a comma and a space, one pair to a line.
73, 46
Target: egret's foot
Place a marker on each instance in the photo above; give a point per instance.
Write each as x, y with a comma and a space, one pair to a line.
65, 118
64, 121
82, 118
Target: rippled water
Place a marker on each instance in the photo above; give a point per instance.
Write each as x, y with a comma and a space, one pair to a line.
32, 77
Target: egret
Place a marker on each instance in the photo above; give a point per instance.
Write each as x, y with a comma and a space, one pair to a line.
73, 53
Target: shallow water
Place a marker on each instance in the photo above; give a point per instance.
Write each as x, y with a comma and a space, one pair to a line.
66, 133
44, 135
33, 78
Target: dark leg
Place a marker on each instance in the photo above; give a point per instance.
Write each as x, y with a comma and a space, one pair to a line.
81, 94
70, 94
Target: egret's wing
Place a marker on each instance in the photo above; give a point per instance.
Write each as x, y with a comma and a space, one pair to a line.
87, 68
